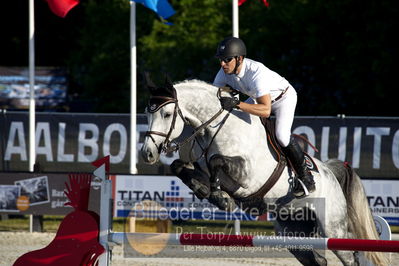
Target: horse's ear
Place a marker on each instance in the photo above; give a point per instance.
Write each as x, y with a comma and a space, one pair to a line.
149, 83
169, 85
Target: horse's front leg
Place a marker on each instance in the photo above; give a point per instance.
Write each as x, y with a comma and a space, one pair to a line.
192, 175
222, 168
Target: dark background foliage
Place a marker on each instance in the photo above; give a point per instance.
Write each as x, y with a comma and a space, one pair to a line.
340, 55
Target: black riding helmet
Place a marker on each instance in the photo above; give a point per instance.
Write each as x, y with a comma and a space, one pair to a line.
231, 47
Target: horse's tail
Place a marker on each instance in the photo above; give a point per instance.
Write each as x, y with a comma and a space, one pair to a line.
361, 223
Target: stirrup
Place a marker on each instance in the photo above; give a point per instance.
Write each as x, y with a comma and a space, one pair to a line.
302, 193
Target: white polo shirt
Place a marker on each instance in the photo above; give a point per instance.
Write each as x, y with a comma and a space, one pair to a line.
254, 80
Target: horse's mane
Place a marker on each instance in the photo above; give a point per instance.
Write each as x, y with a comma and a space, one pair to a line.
195, 84
203, 93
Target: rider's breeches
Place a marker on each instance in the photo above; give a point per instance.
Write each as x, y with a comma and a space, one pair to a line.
284, 110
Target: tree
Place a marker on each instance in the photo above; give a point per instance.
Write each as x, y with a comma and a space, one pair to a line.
186, 49
339, 55
100, 67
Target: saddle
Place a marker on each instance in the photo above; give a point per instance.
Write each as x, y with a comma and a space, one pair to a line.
282, 162
276, 149
274, 146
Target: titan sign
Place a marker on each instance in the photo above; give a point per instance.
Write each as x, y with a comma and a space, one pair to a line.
68, 142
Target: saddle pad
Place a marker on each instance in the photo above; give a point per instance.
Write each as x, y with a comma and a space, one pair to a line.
310, 163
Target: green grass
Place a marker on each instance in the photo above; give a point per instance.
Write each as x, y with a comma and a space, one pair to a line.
395, 229
21, 223
51, 224
15, 224
196, 226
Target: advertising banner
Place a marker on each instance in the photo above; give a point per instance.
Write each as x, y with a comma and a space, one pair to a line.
166, 197
66, 142
50, 88
383, 198
153, 196
69, 142
38, 194
369, 144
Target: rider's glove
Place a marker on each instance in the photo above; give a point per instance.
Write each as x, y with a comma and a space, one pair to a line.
228, 103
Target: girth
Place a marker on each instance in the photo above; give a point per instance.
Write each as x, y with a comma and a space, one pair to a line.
275, 176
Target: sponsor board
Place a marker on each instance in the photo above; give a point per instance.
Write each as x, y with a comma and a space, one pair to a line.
166, 197
383, 198
66, 142
38, 194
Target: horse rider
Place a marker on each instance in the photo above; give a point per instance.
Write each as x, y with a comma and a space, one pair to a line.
268, 93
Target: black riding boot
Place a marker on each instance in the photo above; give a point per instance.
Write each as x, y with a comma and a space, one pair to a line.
295, 154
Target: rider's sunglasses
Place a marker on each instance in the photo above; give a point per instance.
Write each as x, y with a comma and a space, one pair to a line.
226, 60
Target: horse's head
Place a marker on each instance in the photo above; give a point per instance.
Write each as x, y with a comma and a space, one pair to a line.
165, 121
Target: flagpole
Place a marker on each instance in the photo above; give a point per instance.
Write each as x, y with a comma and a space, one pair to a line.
32, 148
235, 18
133, 89
235, 34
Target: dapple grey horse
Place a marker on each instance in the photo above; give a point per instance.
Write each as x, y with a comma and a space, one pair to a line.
233, 149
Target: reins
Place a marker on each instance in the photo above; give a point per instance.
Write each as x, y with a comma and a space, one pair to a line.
171, 146
198, 131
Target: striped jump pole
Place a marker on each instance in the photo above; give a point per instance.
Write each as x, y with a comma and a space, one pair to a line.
301, 243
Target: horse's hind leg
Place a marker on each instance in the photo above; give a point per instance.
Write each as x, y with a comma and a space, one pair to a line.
335, 224
309, 257
346, 257
338, 229
307, 228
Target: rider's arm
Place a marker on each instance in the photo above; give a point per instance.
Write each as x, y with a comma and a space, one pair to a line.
262, 108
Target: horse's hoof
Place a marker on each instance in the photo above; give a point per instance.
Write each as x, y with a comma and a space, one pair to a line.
222, 200
200, 190
177, 166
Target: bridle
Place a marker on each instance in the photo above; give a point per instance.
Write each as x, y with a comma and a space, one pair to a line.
166, 146
170, 146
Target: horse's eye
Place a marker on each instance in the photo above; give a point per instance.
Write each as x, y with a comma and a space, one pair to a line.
167, 115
